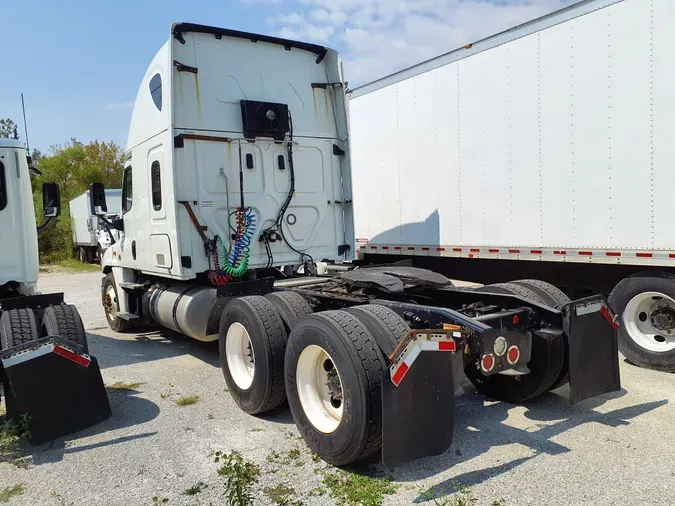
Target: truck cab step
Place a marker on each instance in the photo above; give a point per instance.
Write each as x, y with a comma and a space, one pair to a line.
127, 316
132, 287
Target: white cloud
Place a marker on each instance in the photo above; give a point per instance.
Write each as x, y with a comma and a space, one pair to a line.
127, 104
378, 37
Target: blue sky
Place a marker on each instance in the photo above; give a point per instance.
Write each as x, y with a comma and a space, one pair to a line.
79, 63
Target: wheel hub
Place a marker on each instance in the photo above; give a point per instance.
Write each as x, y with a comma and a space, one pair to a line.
240, 355
649, 320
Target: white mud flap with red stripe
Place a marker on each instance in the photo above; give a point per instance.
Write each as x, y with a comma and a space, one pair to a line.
418, 397
591, 328
56, 384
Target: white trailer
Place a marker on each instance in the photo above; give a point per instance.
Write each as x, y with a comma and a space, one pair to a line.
545, 150
237, 164
90, 237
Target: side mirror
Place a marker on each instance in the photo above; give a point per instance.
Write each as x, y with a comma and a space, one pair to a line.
118, 224
51, 200
97, 203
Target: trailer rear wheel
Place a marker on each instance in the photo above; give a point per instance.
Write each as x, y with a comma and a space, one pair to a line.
556, 298
111, 305
646, 305
333, 383
252, 345
546, 363
291, 306
17, 326
64, 321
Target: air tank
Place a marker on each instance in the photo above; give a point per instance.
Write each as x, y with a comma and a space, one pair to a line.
183, 308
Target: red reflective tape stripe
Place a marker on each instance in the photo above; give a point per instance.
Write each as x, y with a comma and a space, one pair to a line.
514, 251
493, 251
672, 255
605, 312
643, 255
457, 250
536, 251
385, 247
78, 359
586, 253
560, 252
410, 248
400, 372
440, 249
613, 254
397, 248
425, 249
373, 247
446, 345
363, 247
475, 250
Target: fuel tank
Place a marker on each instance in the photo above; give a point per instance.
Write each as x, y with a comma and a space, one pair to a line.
183, 308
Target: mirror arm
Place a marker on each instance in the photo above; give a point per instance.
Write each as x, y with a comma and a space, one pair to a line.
40, 228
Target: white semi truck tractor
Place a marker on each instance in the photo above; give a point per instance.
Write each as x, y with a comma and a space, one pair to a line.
90, 235
46, 371
543, 151
237, 165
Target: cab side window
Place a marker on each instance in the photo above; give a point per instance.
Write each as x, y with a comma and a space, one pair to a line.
3, 188
127, 191
156, 179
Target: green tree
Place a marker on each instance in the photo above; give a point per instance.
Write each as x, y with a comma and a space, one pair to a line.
74, 166
7, 128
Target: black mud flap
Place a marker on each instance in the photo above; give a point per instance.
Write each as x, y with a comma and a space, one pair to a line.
418, 416
58, 386
594, 356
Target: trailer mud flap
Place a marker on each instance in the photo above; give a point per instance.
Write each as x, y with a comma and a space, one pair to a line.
58, 386
418, 415
593, 355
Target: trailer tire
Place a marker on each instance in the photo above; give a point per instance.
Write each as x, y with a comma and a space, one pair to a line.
387, 327
291, 306
111, 305
548, 357
64, 321
319, 344
17, 326
251, 327
634, 297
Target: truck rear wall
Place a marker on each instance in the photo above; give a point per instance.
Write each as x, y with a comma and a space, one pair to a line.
560, 137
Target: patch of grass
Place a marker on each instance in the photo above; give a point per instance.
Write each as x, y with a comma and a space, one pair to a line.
240, 477
273, 457
499, 502
187, 400
209, 416
158, 500
292, 456
317, 491
21, 462
195, 489
356, 489
8, 492
13, 435
69, 265
122, 386
281, 495
462, 496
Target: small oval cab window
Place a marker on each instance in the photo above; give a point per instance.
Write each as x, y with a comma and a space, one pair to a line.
156, 90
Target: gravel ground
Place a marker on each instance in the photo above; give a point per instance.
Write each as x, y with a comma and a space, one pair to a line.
613, 450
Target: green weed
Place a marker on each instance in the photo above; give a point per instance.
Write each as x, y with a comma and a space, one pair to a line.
240, 477
121, 386
281, 495
195, 489
187, 400
13, 434
356, 489
8, 492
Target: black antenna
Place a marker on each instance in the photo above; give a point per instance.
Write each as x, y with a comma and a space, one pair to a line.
25, 125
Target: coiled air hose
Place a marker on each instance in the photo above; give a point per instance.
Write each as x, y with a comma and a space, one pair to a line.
234, 263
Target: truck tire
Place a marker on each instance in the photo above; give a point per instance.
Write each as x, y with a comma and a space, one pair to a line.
387, 327
512, 289
291, 306
645, 304
64, 321
17, 326
546, 363
252, 344
111, 305
329, 354
551, 295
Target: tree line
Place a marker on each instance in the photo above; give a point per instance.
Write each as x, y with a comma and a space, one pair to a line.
74, 166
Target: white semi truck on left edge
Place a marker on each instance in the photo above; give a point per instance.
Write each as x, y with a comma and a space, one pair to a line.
237, 164
46, 371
